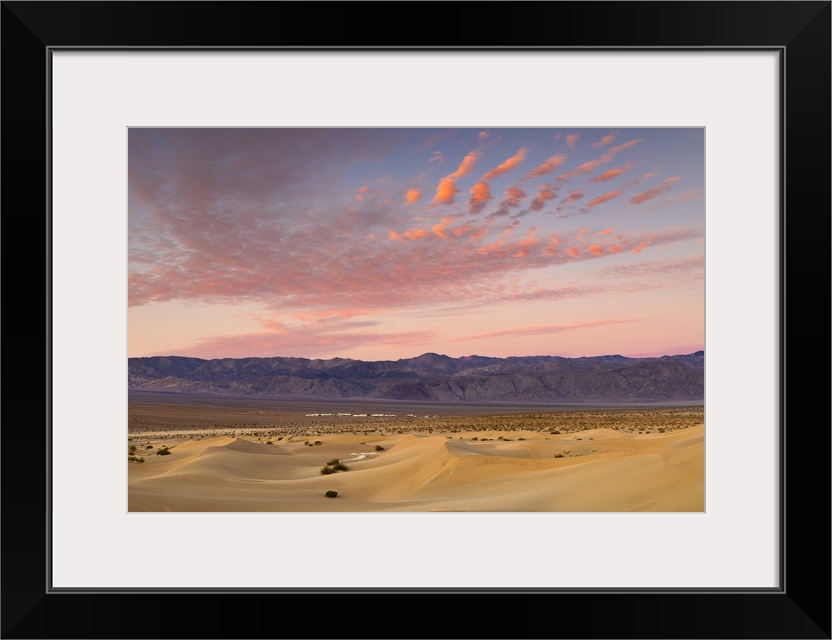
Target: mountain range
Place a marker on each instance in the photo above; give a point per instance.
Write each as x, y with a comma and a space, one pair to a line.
433, 377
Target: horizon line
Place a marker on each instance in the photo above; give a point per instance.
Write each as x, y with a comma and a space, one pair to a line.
426, 353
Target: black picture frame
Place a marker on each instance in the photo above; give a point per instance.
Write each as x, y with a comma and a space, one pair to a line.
799, 608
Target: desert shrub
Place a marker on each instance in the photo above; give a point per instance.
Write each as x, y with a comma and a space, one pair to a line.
150, 446
164, 451
379, 447
472, 439
333, 461
521, 438
331, 494
325, 471
556, 432
559, 455
133, 448
340, 467
280, 438
318, 442
269, 442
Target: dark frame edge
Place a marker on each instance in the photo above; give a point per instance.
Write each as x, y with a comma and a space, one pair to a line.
801, 607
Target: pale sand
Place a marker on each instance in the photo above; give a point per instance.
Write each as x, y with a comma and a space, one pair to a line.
604, 470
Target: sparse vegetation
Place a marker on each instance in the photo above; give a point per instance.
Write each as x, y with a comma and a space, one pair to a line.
150, 446
379, 447
333, 466
331, 494
164, 451
135, 459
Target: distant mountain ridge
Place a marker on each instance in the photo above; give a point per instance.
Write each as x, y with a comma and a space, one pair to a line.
433, 377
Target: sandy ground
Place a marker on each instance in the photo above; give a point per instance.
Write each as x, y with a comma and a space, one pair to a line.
598, 469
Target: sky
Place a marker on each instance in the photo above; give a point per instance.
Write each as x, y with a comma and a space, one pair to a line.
381, 244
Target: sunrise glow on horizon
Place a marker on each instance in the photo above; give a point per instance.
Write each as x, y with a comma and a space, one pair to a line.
381, 244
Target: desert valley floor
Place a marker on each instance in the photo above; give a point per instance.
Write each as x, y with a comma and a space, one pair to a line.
252, 454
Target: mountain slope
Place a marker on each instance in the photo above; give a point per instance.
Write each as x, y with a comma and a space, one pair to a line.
548, 379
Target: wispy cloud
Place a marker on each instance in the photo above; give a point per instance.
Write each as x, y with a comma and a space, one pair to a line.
604, 141
665, 185
514, 196
571, 139
613, 173
604, 198
550, 165
506, 166
446, 190
541, 330
480, 195
545, 193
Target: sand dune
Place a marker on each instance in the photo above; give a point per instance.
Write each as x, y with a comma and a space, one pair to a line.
592, 470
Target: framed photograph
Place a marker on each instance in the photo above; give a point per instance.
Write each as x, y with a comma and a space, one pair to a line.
101, 96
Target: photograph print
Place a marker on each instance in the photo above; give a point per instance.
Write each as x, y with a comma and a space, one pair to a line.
416, 320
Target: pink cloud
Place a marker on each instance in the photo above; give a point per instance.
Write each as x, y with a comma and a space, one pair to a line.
514, 195
664, 269
541, 330
439, 228
603, 142
524, 247
413, 195
437, 157
646, 176
310, 341
571, 139
612, 173
506, 166
480, 195
595, 250
604, 198
574, 196
592, 165
446, 189
545, 193
550, 165
641, 247
586, 167
607, 157
655, 191
416, 234
482, 135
